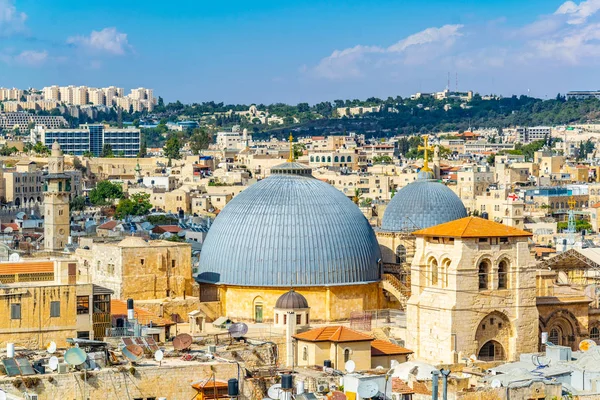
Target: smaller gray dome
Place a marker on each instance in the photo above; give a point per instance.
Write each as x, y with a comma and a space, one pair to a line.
291, 300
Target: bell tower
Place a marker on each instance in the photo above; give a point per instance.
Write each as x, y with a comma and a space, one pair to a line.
56, 202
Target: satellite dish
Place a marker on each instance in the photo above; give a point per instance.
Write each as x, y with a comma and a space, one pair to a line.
496, 384
182, 341
75, 356
53, 363
379, 367
158, 355
394, 363
350, 366
2, 395
337, 395
51, 347
367, 389
586, 344
473, 358
14, 257
275, 391
238, 329
133, 352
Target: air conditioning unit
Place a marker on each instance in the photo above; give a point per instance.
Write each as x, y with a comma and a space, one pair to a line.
63, 368
322, 388
31, 396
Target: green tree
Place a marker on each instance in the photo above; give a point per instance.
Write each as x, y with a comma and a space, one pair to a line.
105, 193
199, 140
107, 151
7, 151
172, 148
382, 160
39, 148
77, 204
88, 154
136, 205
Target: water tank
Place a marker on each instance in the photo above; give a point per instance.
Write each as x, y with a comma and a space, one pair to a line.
233, 389
287, 381
327, 363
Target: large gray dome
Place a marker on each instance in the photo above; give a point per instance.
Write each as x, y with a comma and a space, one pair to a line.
422, 204
290, 229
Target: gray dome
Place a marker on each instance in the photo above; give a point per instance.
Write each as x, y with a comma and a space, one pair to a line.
291, 300
422, 204
290, 229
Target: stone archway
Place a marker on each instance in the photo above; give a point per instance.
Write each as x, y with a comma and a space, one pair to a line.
493, 337
563, 328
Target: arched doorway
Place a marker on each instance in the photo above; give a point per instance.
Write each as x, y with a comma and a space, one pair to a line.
492, 337
400, 254
491, 351
258, 310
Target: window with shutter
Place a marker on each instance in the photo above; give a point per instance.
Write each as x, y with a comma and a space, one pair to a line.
55, 309
15, 311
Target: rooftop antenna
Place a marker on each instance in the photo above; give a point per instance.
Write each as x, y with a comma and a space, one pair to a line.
448, 82
456, 82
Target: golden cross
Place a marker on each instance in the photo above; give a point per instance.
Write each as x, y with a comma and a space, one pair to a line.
572, 203
291, 157
426, 149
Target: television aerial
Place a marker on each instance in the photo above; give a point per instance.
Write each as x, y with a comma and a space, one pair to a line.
275, 391
182, 341
350, 366
367, 389
133, 352
53, 363
238, 330
75, 356
51, 347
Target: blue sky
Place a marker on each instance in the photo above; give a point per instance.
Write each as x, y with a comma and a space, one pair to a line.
268, 51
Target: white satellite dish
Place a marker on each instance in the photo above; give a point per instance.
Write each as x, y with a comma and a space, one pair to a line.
51, 347
275, 391
238, 329
350, 366
14, 257
473, 358
53, 363
158, 355
367, 389
496, 384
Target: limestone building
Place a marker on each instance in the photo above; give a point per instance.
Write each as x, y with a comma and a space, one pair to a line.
136, 268
290, 230
56, 202
472, 292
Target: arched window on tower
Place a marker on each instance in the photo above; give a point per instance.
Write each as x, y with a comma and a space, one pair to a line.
434, 271
336, 159
502, 275
400, 254
483, 273
343, 159
346, 355
595, 334
555, 336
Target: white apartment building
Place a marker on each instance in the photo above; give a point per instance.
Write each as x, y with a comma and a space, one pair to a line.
10, 94
12, 120
531, 134
233, 140
51, 93
66, 94
140, 99
97, 97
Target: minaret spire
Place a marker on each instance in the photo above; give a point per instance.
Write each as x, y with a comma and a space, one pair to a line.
291, 140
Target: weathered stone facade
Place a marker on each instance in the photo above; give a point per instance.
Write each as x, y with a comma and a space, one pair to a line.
455, 310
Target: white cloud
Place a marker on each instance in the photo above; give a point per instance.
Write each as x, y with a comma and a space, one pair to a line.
578, 13
11, 20
108, 41
28, 58
414, 49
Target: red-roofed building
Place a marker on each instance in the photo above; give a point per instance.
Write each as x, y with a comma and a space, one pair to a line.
383, 352
159, 229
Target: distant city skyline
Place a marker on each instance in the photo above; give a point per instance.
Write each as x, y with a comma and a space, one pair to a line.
302, 52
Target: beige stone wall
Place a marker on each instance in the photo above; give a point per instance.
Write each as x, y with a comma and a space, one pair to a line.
170, 381
360, 353
443, 318
326, 303
389, 242
36, 326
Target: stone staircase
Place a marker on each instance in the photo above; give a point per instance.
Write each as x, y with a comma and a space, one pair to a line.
396, 288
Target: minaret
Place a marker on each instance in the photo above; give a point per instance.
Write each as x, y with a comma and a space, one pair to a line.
56, 202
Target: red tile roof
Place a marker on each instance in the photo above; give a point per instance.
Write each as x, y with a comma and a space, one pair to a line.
472, 227
14, 226
385, 348
166, 228
109, 225
26, 267
399, 386
336, 334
